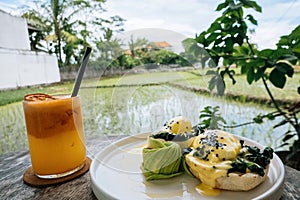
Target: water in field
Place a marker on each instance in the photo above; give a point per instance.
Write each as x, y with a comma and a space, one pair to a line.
136, 109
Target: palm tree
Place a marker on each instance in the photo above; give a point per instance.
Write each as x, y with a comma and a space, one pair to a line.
68, 26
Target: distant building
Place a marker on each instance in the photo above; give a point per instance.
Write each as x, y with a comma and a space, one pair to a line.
153, 46
160, 45
20, 66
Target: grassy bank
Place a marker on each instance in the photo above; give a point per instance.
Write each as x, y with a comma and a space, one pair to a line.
241, 91
193, 80
16, 95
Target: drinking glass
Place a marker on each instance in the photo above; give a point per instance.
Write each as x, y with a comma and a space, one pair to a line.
55, 134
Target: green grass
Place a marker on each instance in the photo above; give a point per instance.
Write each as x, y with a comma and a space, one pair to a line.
195, 79
243, 89
16, 95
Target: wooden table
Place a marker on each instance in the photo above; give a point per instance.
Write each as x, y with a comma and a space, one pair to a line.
13, 165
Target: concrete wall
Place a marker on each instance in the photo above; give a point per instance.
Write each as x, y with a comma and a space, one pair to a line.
25, 68
18, 65
13, 34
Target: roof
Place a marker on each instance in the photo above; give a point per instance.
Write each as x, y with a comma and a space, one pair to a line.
32, 28
162, 44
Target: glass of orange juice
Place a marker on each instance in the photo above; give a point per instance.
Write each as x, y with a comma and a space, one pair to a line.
55, 134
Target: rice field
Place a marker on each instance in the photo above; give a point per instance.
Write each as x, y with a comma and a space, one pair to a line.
133, 104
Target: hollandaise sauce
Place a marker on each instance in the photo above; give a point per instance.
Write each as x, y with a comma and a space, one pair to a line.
211, 155
206, 190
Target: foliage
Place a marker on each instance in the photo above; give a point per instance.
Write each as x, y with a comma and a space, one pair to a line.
137, 47
192, 53
166, 57
108, 51
227, 41
67, 28
210, 118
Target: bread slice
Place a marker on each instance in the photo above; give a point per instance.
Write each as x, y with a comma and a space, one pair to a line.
240, 182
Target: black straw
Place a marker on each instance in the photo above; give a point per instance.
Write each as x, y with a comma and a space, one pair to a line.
81, 71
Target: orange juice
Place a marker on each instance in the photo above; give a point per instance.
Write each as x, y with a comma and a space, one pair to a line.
55, 134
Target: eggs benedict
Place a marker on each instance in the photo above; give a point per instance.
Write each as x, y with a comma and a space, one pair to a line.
221, 161
179, 130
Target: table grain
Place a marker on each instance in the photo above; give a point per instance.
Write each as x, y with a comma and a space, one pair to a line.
13, 166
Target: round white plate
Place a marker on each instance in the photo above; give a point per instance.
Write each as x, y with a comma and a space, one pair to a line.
115, 174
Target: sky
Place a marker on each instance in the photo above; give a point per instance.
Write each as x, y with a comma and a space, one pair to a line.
172, 20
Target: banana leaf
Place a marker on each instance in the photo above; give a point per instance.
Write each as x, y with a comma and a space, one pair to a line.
161, 159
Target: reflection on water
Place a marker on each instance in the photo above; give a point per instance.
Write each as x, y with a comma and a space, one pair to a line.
133, 110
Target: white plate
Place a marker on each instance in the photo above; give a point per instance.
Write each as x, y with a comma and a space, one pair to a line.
115, 174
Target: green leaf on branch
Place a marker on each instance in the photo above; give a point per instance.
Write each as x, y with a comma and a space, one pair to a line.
270, 116
216, 82
221, 6
239, 39
234, 6
244, 68
259, 73
251, 19
251, 4
229, 45
201, 38
290, 58
285, 68
296, 50
265, 53
277, 78
250, 74
212, 37
230, 73
258, 119
210, 117
215, 26
220, 86
212, 83
211, 72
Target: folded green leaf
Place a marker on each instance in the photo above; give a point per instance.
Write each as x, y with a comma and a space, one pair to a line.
161, 159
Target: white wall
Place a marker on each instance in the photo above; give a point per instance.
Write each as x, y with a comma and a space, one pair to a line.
14, 33
24, 68
18, 65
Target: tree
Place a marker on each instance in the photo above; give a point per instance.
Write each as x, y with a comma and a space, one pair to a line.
227, 40
137, 46
109, 50
193, 53
69, 26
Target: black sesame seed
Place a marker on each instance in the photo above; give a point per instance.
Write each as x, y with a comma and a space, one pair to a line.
177, 122
223, 159
222, 137
217, 155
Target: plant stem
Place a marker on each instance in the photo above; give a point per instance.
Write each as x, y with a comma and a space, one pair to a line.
236, 126
295, 125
